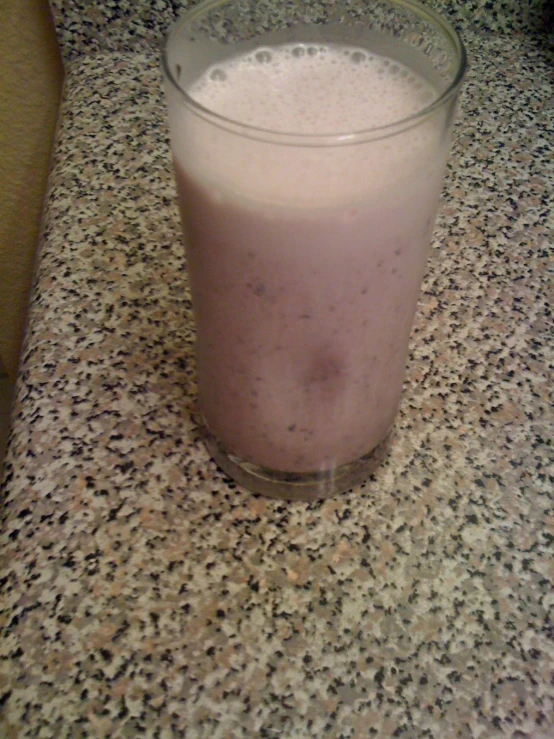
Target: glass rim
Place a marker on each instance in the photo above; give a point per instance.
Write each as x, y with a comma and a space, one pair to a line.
318, 139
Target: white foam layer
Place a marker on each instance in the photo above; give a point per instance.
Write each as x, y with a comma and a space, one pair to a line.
313, 89
309, 89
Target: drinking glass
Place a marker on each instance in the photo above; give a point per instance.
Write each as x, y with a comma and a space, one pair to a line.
306, 247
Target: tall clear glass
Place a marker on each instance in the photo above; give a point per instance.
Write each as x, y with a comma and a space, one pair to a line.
309, 143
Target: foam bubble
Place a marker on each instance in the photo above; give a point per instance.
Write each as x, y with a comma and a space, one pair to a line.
218, 75
263, 56
358, 57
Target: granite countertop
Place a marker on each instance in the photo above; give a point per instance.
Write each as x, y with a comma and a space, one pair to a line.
143, 594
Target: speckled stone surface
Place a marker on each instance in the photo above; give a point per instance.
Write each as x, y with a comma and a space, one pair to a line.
143, 594
86, 26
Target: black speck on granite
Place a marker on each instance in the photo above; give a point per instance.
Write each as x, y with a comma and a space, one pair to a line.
142, 593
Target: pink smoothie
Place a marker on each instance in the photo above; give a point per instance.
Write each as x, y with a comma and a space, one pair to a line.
305, 261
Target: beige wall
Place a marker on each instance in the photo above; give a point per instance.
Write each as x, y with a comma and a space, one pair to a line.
30, 85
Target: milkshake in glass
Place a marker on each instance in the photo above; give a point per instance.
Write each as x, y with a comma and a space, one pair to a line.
309, 160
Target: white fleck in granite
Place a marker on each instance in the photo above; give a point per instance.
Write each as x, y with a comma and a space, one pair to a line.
143, 594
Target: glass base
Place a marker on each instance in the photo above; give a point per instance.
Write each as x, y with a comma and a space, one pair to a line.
296, 485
